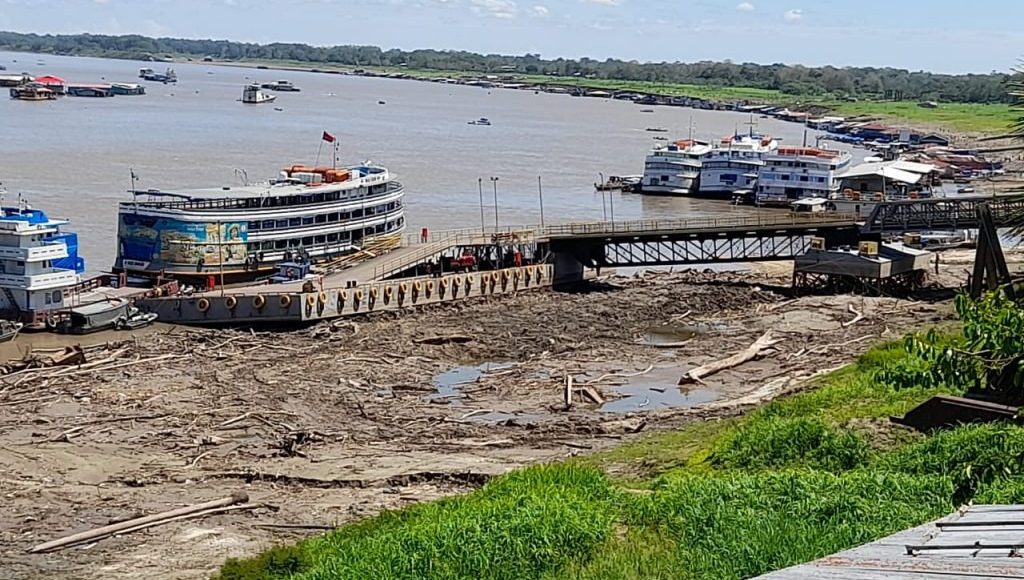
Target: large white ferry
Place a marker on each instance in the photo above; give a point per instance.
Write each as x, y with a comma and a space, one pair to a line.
241, 233
674, 169
734, 164
792, 173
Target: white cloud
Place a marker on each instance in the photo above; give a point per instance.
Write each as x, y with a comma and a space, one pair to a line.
745, 7
603, 2
541, 11
495, 8
793, 15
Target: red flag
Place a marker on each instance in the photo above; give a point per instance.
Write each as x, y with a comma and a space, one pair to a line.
328, 137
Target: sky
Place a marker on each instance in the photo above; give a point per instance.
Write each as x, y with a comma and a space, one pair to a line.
950, 36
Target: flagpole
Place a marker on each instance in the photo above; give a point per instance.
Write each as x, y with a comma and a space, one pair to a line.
318, 150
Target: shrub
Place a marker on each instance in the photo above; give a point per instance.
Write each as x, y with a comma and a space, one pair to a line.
277, 562
774, 442
972, 455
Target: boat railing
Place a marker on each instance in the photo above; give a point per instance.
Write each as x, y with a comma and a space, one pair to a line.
305, 198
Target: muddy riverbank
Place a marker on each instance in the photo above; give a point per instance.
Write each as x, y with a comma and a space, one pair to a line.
330, 424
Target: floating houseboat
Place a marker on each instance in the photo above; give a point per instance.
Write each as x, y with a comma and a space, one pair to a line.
734, 164
38, 263
32, 92
243, 233
674, 168
127, 89
168, 76
90, 91
866, 185
54, 83
792, 173
252, 95
283, 86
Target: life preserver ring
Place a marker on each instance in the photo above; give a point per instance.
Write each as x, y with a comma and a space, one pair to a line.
494, 277
357, 299
310, 300
374, 293
258, 302
388, 292
469, 283
403, 288
322, 297
429, 289
444, 282
285, 301
457, 282
340, 302
539, 273
517, 275
504, 275
203, 305
231, 302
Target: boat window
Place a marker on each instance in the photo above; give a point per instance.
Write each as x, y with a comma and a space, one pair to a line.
332, 237
308, 220
307, 241
320, 218
58, 296
281, 224
333, 217
294, 242
280, 244
254, 226
320, 239
344, 216
268, 224
295, 222
48, 299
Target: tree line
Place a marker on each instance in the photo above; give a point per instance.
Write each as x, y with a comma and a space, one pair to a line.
827, 81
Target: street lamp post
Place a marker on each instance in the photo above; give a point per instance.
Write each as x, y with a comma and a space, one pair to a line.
604, 204
540, 194
494, 181
480, 186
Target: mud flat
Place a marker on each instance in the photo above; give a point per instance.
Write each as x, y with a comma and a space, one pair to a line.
333, 423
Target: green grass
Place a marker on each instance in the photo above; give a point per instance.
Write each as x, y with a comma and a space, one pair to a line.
803, 477
995, 118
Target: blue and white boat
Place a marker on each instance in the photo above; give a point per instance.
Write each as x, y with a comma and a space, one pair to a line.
39, 263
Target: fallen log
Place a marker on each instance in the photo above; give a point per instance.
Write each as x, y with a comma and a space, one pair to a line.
695, 375
591, 394
141, 523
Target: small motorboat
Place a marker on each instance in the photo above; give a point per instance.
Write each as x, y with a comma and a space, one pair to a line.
285, 86
661, 138
252, 95
481, 121
646, 110
613, 183
382, 102
135, 318
966, 189
657, 130
9, 330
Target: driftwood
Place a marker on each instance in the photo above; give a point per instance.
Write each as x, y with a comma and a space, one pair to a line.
568, 392
591, 394
144, 522
858, 316
695, 375
439, 340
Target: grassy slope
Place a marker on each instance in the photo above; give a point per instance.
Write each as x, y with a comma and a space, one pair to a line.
801, 478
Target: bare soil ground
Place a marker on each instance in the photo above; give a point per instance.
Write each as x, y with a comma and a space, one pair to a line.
333, 423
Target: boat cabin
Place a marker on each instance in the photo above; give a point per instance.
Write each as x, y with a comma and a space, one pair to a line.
291, 272
810, 205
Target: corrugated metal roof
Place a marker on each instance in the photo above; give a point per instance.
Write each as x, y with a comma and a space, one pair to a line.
887, 170
976, 543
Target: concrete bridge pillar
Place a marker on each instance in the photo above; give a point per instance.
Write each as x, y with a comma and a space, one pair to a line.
568, 270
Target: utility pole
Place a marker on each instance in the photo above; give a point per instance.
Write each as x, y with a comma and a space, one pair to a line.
480, 186
220, 254
494, 181
604, 204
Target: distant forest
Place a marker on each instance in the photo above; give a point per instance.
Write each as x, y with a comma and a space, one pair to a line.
860, 82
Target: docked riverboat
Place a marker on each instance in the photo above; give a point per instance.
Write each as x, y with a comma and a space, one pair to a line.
674, 168
39, 264
793, 173
734, 164
242, 233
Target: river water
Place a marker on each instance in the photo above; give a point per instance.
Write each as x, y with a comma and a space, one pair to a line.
72, 157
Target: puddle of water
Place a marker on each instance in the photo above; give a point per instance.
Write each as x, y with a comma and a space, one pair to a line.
449, 383
672, 333
657, 390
